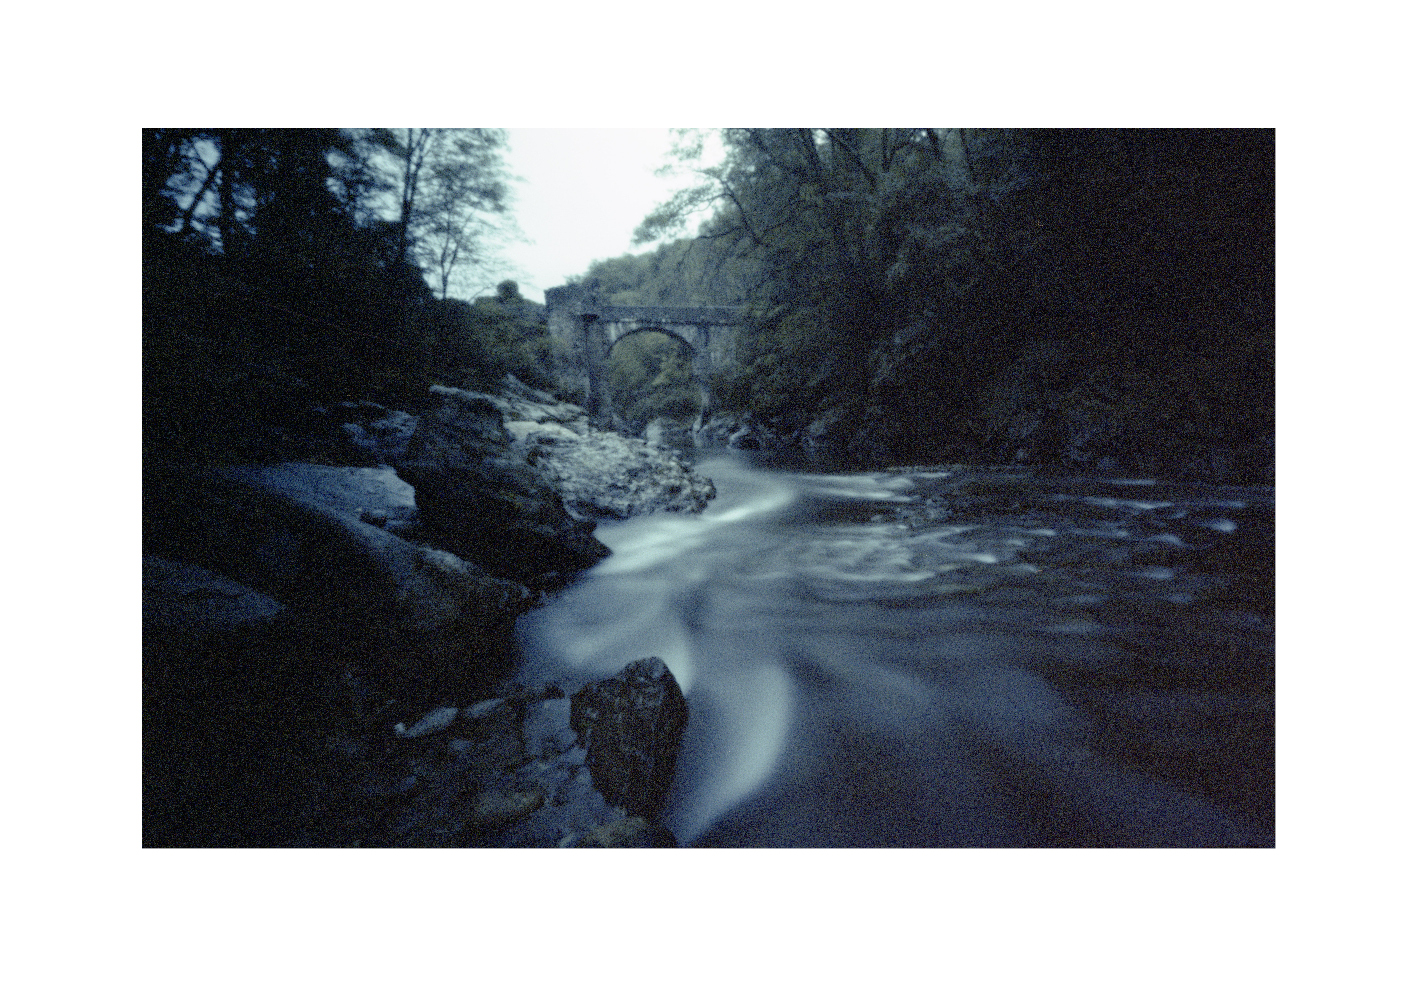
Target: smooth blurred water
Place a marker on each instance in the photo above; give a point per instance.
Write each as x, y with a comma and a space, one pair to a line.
946, 658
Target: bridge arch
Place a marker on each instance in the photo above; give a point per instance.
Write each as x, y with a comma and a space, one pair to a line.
617, 331
687, 353
586, 330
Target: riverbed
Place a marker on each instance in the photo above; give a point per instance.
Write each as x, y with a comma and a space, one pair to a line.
946, 656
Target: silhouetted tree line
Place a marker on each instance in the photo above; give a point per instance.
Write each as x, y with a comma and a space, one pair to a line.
284, 268
950, 287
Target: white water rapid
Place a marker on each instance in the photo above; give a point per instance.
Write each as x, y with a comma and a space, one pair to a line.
945, 658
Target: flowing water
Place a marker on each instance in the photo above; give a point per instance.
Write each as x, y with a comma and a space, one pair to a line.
958, 657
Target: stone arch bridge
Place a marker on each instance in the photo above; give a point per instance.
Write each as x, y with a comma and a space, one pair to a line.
587, 331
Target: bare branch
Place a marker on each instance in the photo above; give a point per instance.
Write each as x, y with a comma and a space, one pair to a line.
836, 140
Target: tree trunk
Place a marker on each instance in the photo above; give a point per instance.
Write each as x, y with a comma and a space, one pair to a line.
415, 148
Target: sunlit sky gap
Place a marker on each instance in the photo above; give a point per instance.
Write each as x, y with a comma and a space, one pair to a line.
585, 192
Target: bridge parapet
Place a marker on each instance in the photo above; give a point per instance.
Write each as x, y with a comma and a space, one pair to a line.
697, 316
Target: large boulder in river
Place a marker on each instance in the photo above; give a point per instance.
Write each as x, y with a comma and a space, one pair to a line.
522, 453
631, 726
604, 475
600, 474
480, 498
397, 616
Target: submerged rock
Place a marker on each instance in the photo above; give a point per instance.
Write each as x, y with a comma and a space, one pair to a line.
631, 726
493, 810
490, 735
432, 722
633, 831
511, 775
548, 728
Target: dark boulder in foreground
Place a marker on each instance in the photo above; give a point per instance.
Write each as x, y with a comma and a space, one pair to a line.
631, 726
313, 634
485, 503
399, 618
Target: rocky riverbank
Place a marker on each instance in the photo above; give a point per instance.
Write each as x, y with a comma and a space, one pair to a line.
1080, 428
327, 646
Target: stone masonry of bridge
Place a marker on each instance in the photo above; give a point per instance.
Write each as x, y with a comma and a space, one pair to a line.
587, 330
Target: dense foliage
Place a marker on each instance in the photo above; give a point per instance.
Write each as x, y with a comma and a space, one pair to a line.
680, 273
650, 375
281, 271
1081, 294
478, 343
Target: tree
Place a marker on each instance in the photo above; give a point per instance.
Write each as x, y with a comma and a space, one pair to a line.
650, 375
453, 192
921, 273
849, 234
680, 273
252, 239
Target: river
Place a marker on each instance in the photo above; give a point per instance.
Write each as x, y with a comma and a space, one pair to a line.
946, 658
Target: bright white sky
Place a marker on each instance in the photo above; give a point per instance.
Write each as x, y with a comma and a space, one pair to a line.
585, 192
